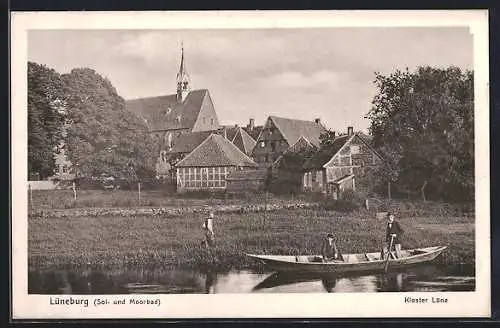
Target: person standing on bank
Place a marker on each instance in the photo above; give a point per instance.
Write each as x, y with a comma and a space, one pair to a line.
208, 226
394, 232
330, 251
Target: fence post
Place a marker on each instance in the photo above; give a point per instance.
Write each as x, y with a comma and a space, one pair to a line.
139, 188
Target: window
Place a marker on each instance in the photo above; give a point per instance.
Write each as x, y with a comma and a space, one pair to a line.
354, 149
204, 120
212, 121
168, 110
64, 168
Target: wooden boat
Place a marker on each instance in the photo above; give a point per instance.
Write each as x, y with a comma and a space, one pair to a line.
360, 262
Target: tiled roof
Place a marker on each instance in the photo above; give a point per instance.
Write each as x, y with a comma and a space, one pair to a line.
323, 156
260, 174
186, 142
243, 141
292, 129
254, 133
231, 131
216, 151
165, 113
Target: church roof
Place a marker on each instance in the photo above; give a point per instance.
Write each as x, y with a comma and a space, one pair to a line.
165, 113
187, 142
216, 151
292, 129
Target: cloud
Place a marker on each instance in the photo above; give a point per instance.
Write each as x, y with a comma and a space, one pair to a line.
204, 49
292, 79
302, 73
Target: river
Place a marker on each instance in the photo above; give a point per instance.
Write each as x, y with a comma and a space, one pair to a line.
179, 281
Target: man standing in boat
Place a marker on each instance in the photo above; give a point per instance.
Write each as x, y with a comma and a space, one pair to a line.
330, 250
393, 232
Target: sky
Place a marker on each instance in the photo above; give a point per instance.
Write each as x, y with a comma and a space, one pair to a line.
308, 73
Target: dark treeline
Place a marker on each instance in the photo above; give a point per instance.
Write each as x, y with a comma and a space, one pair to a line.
84, 110
422, 122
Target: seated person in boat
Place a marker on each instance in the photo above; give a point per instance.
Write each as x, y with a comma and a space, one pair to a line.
394, 232
330, 251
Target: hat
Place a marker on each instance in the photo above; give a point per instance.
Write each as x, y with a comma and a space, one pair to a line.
330, 235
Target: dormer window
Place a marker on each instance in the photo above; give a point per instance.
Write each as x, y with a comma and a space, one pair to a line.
178, 118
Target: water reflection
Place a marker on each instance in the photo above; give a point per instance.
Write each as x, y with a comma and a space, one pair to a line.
329, 285
210, 282
177, 281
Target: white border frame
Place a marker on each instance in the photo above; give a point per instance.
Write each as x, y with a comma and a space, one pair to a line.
360, 305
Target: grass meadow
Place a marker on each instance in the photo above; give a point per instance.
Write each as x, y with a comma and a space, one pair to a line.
64, 199
176, 240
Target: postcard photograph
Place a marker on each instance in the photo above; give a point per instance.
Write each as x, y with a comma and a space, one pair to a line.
317, 163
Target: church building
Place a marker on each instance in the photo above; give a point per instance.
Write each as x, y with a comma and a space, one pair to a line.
170, 116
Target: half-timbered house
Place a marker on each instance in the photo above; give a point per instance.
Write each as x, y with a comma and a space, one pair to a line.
209, 164
347, 160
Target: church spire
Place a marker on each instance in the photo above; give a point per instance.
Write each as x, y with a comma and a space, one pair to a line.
183, 82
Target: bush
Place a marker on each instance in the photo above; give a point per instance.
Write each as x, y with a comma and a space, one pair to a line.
283, 182
350, 200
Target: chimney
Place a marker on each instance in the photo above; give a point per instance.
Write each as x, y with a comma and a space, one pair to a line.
251, 124
317, 120
350, 130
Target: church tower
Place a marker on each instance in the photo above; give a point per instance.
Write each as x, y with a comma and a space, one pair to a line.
183, 79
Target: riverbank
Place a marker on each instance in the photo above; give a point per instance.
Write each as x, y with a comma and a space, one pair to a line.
174, 240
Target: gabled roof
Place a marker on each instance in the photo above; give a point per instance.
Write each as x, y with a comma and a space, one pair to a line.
187, 142
165, 113
301, 143
230, 131
254, 133
292, 129
323, 156
243, 141
216, 151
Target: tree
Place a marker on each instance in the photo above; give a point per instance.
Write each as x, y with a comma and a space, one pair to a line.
103, 136
422, 123
45, 106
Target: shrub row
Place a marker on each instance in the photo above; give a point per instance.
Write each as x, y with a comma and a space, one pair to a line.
165, 211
